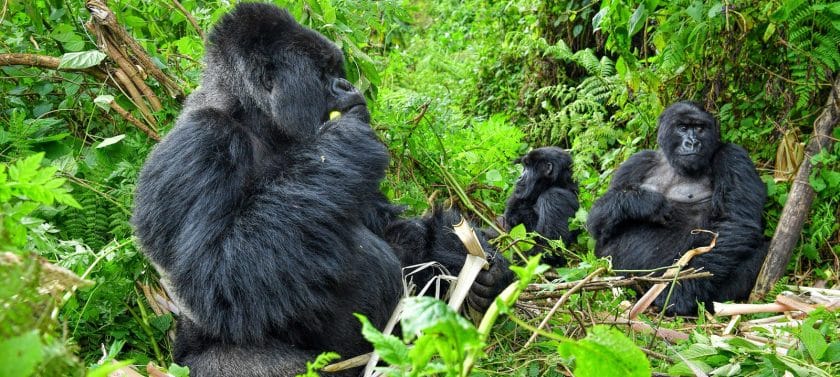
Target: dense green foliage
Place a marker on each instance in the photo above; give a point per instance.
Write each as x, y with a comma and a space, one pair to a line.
458, 89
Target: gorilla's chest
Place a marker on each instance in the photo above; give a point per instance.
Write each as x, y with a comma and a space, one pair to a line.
677, 188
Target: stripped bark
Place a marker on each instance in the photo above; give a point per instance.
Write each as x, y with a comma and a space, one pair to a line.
799, 200
104, 17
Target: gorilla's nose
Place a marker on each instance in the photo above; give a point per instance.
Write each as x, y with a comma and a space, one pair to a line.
340, 85
691, 144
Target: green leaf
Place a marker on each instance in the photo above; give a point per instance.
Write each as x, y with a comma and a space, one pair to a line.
66, 199
682, 369
698, 350
106, 369
832, 178
178, 371
104, 101
328, 11
598, 18
518, 232
40, 194
24, 170
817, 183
771, 28
81, 60
606, 352
732, 369
832, 352
637, 20
389, 347
20, 355
813, 340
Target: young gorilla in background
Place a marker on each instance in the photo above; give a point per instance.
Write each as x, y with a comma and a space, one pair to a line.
545, 198
693, 181
265, 218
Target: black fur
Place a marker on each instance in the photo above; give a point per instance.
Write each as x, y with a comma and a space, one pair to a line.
657, 197
265, 218
545, 198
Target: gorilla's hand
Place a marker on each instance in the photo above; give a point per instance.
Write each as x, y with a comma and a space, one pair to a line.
348, 100
489, 283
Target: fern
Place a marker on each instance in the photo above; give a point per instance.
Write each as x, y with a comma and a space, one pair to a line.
814, 40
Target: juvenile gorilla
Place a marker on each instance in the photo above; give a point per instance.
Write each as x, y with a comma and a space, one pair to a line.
545, 198
693, 181
265, 218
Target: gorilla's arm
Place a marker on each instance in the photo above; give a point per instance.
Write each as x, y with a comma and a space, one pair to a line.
738, 202
554, 208
240, 248
519, 211
625, 200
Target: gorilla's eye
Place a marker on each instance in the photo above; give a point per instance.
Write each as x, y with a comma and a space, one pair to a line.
683, 128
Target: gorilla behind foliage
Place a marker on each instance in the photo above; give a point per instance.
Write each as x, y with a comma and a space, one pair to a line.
264, 217
545, 198
656, 198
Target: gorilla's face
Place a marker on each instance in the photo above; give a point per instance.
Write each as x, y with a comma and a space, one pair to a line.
270, 64
542, 167
689, 137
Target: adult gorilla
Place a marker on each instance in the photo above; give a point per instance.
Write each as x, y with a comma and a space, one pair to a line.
545, 198
265, 218
656, 198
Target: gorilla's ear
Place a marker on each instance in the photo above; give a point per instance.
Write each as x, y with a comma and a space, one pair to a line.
547, 169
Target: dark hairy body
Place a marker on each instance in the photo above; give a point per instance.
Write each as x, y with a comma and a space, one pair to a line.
656, 198
545, 198
265, 218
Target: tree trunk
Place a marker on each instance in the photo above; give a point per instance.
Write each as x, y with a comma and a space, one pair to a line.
799, 199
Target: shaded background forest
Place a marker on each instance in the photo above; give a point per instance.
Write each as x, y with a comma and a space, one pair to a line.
457, 89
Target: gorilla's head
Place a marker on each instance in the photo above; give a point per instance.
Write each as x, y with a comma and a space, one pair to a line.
689, 137
543, 168
261, 59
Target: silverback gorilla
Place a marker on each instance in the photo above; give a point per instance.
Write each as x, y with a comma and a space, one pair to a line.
693, 181
265, 218
545, 198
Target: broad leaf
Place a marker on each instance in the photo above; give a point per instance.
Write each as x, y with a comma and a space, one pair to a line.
81, 60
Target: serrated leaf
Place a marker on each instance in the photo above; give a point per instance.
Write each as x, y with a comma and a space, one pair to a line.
110, 141
328, 11
389, 347
606, 352
66, 199
682, 369
23, 170
813, 340
518, 232
178, 371
727, 370
425, 312
698, 350
39, 194
81, 60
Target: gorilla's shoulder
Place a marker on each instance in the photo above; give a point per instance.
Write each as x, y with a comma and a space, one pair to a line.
731, 155
643, 158
646, 154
